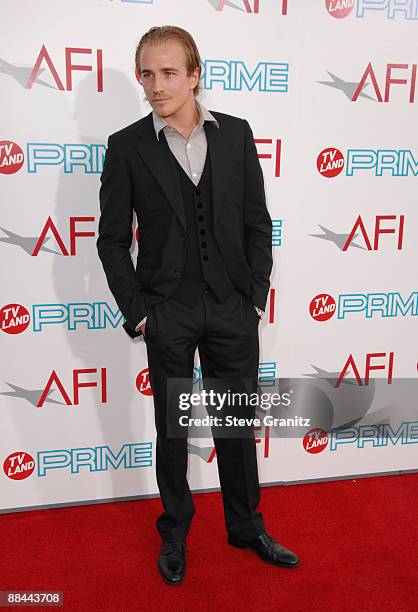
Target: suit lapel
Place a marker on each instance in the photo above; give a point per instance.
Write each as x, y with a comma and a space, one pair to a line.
156, 155
219, 166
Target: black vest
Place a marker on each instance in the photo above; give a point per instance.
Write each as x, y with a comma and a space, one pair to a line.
204, 264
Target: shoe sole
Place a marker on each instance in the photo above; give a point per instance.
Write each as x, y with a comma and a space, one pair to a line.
239, 545
168, 581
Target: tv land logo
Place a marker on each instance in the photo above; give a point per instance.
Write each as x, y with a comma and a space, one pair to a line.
371, 240
15, 318
11, 157
391, 9
382, 305
315, 441
71, 158
33, 245
404, 75
143, 384
381, 435
253, 7
20, 464
379, 162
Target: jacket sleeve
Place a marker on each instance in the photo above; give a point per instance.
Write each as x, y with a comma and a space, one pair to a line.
257, 223
115, 237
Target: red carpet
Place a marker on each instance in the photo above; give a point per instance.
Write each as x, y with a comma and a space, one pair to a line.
357, 540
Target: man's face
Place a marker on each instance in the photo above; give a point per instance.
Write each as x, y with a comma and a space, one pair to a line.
164, 77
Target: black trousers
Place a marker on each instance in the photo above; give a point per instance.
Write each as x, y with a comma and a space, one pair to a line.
226, 335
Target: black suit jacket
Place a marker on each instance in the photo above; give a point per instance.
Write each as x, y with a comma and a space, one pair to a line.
139, 175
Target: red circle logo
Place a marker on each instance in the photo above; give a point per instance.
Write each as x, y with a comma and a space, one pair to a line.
11, 157
322, 307
18, 466
330, 162
142, 382
315, 441
339, 8
14, 318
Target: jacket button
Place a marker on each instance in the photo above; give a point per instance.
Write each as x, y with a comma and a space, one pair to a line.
178, 271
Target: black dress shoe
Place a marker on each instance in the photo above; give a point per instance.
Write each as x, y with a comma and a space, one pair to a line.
172, 562
269, 550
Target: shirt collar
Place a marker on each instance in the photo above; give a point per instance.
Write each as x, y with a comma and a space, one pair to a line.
160, 123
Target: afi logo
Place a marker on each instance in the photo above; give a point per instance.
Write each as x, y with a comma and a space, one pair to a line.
49, 226
395, 74
77, 384
44, 59
276, 155
372, 243
368, 367
33, 245
250, 6
360, 238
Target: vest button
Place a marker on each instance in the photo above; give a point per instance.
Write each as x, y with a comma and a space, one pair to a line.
178, 271
199, 205
201, 217
184, 236
205, 257
204, 245
202, 232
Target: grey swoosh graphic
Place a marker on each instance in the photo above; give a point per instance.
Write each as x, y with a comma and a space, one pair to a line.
347, 87
21, 74
30, 395
27, 243
338, 239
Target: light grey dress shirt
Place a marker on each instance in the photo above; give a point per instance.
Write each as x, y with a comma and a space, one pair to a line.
189, 152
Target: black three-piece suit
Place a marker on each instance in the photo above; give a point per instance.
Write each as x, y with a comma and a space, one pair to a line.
204, 261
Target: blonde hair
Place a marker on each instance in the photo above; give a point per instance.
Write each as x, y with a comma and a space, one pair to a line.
159, 34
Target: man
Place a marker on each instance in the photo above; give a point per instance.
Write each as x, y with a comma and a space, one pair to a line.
194, 180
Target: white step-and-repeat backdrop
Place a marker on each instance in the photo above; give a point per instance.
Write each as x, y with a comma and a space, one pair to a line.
329, 88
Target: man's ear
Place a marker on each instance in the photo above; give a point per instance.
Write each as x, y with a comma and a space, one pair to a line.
196, 76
